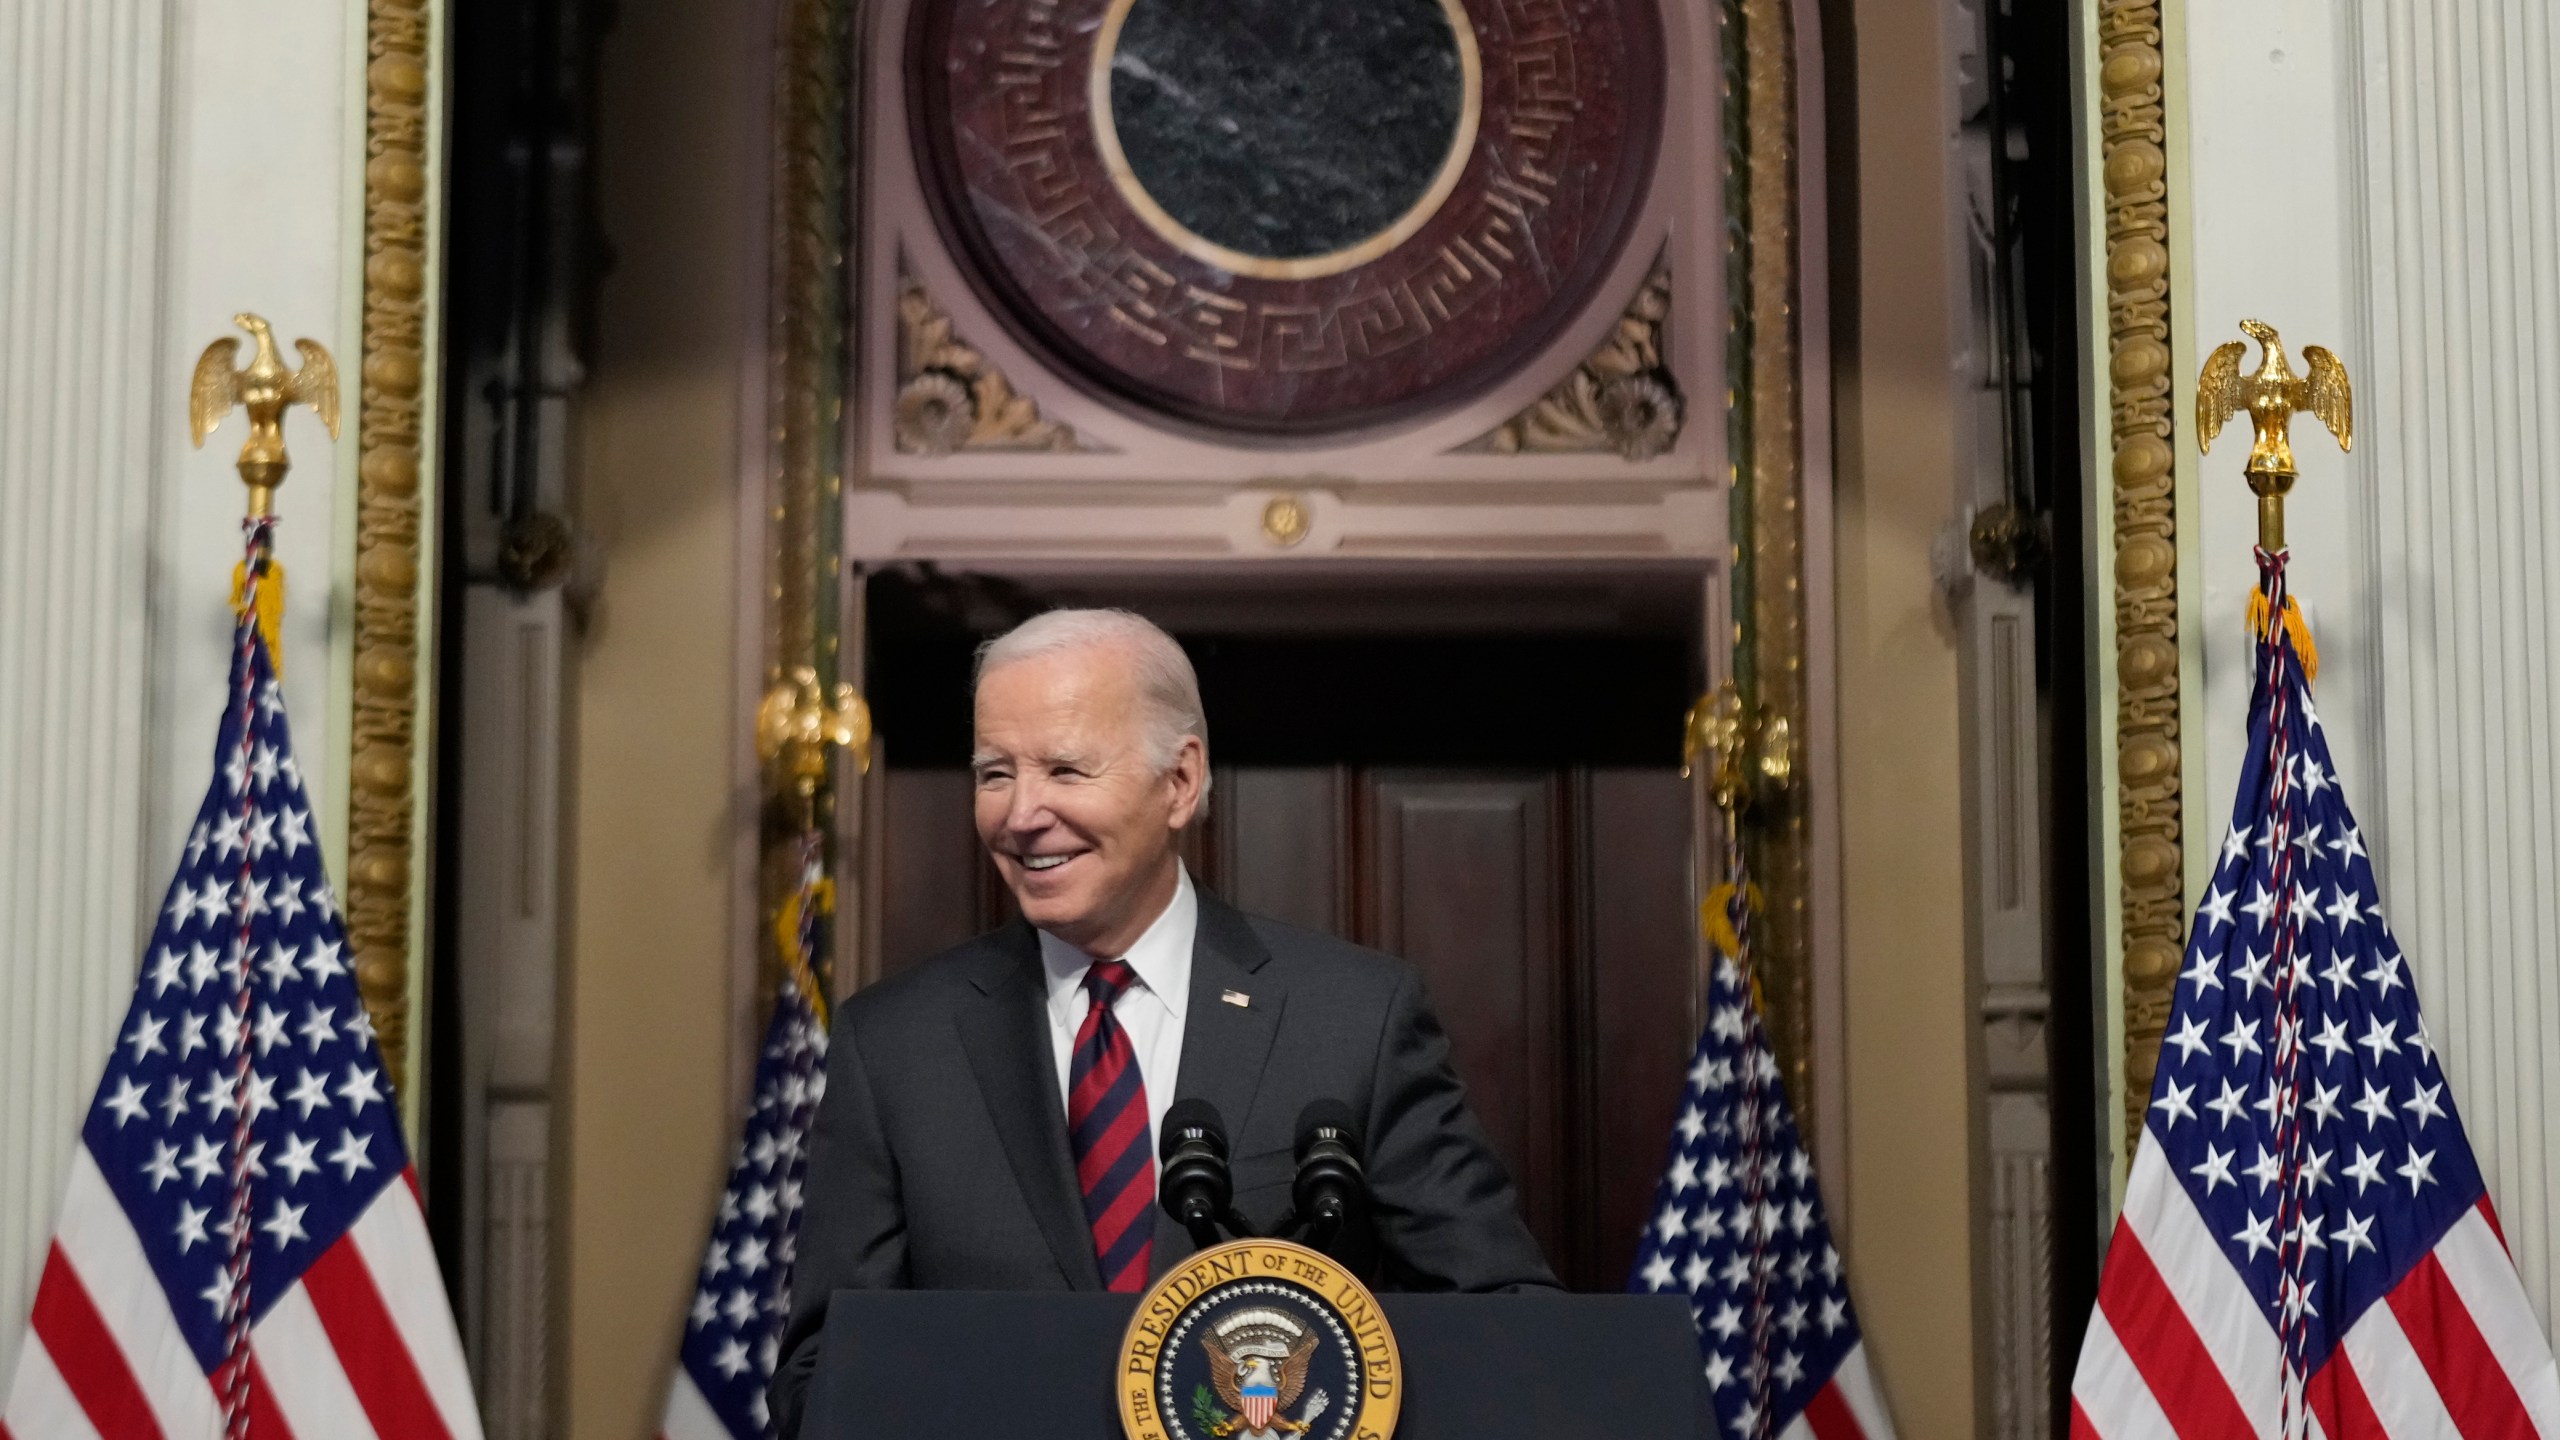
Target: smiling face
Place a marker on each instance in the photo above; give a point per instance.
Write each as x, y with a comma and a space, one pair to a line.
1080, 819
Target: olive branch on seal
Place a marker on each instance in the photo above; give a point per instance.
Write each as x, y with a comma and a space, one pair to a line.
1206, 1412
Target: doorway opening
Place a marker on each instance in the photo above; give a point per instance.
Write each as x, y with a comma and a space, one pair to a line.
1476, 770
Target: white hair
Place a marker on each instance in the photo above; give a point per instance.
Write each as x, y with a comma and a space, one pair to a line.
1168, 689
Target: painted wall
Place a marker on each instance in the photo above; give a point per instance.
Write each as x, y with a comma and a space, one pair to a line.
647, 1039
1908, 1234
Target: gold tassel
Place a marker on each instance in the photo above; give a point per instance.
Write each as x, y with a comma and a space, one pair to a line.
2293, 626
270, 608
1716, 917
786, 936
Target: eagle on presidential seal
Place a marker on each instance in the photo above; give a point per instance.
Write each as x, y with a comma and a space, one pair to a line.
1258, 1364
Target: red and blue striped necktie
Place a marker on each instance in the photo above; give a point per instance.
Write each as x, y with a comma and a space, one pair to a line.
1107, 1124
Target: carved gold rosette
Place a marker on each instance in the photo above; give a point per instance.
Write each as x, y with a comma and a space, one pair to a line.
1622, 399
383, 814
2152, 891
951, 397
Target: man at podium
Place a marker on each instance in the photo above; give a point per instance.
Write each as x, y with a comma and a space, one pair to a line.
991, 1115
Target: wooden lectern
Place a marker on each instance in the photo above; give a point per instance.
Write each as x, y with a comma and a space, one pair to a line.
963, 1365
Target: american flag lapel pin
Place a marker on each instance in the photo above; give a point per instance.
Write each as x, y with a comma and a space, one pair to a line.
1237, 998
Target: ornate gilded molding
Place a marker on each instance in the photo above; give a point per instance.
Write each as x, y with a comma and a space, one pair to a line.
809, 348
1621, 400
1769, 589
383, 815
951, 398
2151, 895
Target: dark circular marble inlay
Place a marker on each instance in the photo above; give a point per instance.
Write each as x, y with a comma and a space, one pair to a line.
1285, 219
1286, 128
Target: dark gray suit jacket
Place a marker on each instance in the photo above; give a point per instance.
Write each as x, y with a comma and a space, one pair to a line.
940, 1159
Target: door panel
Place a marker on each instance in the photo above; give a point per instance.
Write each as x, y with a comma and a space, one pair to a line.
1640, 948
1459, 876
1282, 843
937, 878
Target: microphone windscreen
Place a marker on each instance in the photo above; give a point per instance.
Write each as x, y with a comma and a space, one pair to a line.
1187, 1118
1324, 1115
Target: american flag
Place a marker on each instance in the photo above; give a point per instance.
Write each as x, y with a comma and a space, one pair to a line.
2306, 1245
742, 1293
1738, 1228
244, 1129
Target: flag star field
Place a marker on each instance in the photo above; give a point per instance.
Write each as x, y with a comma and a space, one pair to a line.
1738, 1228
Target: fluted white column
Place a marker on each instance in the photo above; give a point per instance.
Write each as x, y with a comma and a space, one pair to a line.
82, 406
2459, 162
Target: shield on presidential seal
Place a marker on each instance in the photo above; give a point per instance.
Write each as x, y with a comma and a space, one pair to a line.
1258, 1340
1258, 1358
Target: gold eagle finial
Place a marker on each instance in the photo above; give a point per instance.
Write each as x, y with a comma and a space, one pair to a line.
2272, 395
266, 390
800, 721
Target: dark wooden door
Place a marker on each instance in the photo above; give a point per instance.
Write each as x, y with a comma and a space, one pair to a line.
1549, 912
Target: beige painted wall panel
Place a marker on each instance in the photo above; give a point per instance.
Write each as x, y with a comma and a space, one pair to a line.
1909, 1017
647, 1044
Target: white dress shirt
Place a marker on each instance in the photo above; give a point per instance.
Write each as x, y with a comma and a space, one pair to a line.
1150, 1010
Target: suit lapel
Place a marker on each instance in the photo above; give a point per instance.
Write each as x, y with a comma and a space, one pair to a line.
1006, 1034
1224, 1045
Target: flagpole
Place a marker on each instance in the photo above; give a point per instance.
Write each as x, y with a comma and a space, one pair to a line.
2227, 1308
798, 728
1750, 752
265, 389
728, 1353
2272, 396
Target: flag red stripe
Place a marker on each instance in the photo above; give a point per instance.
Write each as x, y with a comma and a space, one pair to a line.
1829, 1416
369, 1347
2081, 1429
2338, 1401
2174, 1364
266, 1422
2474, 1386
86, 1355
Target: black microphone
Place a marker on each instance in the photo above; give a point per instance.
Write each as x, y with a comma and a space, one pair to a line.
1194, 1185
1331, 1187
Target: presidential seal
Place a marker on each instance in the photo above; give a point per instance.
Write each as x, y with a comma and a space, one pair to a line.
1259, 1340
